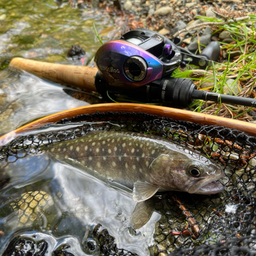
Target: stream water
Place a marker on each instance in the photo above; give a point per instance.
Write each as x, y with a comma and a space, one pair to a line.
45, 30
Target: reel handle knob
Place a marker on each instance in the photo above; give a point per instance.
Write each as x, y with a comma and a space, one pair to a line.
211, 51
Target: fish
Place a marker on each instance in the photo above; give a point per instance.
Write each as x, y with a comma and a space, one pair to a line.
144, 163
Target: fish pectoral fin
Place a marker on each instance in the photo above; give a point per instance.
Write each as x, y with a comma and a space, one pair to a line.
142, 214
143, 191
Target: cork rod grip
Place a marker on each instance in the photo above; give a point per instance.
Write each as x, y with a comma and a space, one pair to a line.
76, 76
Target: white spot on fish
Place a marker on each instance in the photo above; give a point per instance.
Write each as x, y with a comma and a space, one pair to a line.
109, 151
71, 148
142, 155
113, 164
104, 158
115, 148
90, 158
97, 150
147, 163
77, 149
134, 167
93, 144
140, 170
98, 164
120, 158
86, 148
52, 149
103, 142
137, 158
126, 165
132, 150
123, 145
153, 152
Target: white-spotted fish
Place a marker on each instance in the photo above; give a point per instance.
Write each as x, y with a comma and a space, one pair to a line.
145, 163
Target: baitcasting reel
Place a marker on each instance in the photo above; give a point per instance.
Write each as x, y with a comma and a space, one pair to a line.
139, 65
142, 56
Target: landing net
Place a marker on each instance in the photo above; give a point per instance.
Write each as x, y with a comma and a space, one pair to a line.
222, 224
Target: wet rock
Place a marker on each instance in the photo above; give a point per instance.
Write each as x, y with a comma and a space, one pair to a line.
6, 114
204, 40
76, 51
163, 10
231, 87
26, 246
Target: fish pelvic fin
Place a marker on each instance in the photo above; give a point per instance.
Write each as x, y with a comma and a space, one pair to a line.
142, 213
143, 191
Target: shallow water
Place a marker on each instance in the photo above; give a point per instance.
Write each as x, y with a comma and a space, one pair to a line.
45, 30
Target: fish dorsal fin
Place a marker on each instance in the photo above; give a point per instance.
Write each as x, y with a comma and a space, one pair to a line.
143, 191
142, 213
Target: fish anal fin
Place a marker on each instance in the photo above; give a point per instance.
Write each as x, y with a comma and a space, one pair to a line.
143, 191
142, 214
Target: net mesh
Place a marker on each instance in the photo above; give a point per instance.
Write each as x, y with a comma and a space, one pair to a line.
222, 224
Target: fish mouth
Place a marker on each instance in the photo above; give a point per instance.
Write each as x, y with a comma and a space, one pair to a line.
206, 188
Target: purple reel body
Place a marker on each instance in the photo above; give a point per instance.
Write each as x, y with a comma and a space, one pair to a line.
142, 57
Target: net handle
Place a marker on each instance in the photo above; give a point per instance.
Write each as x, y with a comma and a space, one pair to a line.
176, 114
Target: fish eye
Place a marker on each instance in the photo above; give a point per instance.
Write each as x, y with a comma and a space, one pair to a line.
194, 171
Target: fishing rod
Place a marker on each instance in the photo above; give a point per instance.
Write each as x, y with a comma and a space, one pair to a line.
137, 67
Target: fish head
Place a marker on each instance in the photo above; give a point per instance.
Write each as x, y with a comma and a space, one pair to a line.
203, 176
195, 175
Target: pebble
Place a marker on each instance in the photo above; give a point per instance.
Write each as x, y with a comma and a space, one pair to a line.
208, 83
179, 26
127, 5
203, 40
189, 5
163, 10
209, 13
164, 31
232, 87
224, 35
